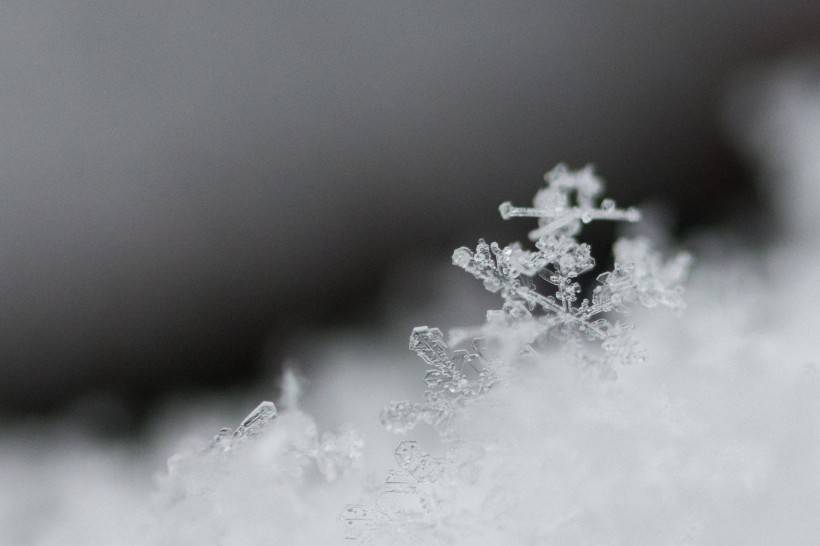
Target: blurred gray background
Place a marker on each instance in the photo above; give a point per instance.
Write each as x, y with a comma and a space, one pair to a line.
187, 185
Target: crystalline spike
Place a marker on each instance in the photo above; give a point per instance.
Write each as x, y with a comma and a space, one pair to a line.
555, 208
429, 344
508, 211
256, 420
561, 222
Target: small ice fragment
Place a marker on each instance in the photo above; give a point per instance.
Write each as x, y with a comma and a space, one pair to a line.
222, 440
256, 420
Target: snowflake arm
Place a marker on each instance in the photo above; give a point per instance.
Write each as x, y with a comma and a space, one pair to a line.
453, 379
568, 200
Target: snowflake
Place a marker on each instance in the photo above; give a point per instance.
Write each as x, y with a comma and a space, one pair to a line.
416, 497
639, 274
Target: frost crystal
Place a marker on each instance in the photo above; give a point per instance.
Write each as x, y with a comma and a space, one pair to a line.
250, 426
419, 501
331, 453
414, 498
452, 379
639, 275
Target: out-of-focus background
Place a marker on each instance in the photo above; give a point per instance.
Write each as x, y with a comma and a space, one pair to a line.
187, 187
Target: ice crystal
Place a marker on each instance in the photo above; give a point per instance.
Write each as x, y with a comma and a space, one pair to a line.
567, 202
417, 501
453, 378
251, 426
639, 274
405, 499
414, 498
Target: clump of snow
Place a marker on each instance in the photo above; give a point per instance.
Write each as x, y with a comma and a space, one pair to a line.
274, 476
